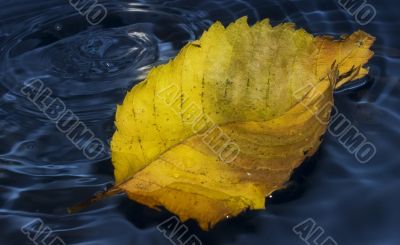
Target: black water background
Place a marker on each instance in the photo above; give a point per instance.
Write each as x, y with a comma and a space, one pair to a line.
92, 67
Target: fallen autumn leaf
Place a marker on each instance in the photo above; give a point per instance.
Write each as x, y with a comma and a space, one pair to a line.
224, 124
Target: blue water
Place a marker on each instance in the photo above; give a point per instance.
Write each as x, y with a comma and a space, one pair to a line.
91, 68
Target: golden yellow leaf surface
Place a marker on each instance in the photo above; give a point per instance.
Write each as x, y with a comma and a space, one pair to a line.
224, 124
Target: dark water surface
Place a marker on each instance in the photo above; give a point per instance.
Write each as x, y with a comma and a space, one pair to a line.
91, 67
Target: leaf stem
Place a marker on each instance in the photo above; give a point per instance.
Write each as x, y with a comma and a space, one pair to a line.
95, 198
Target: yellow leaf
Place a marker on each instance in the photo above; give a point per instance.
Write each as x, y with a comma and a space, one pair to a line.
224, 124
